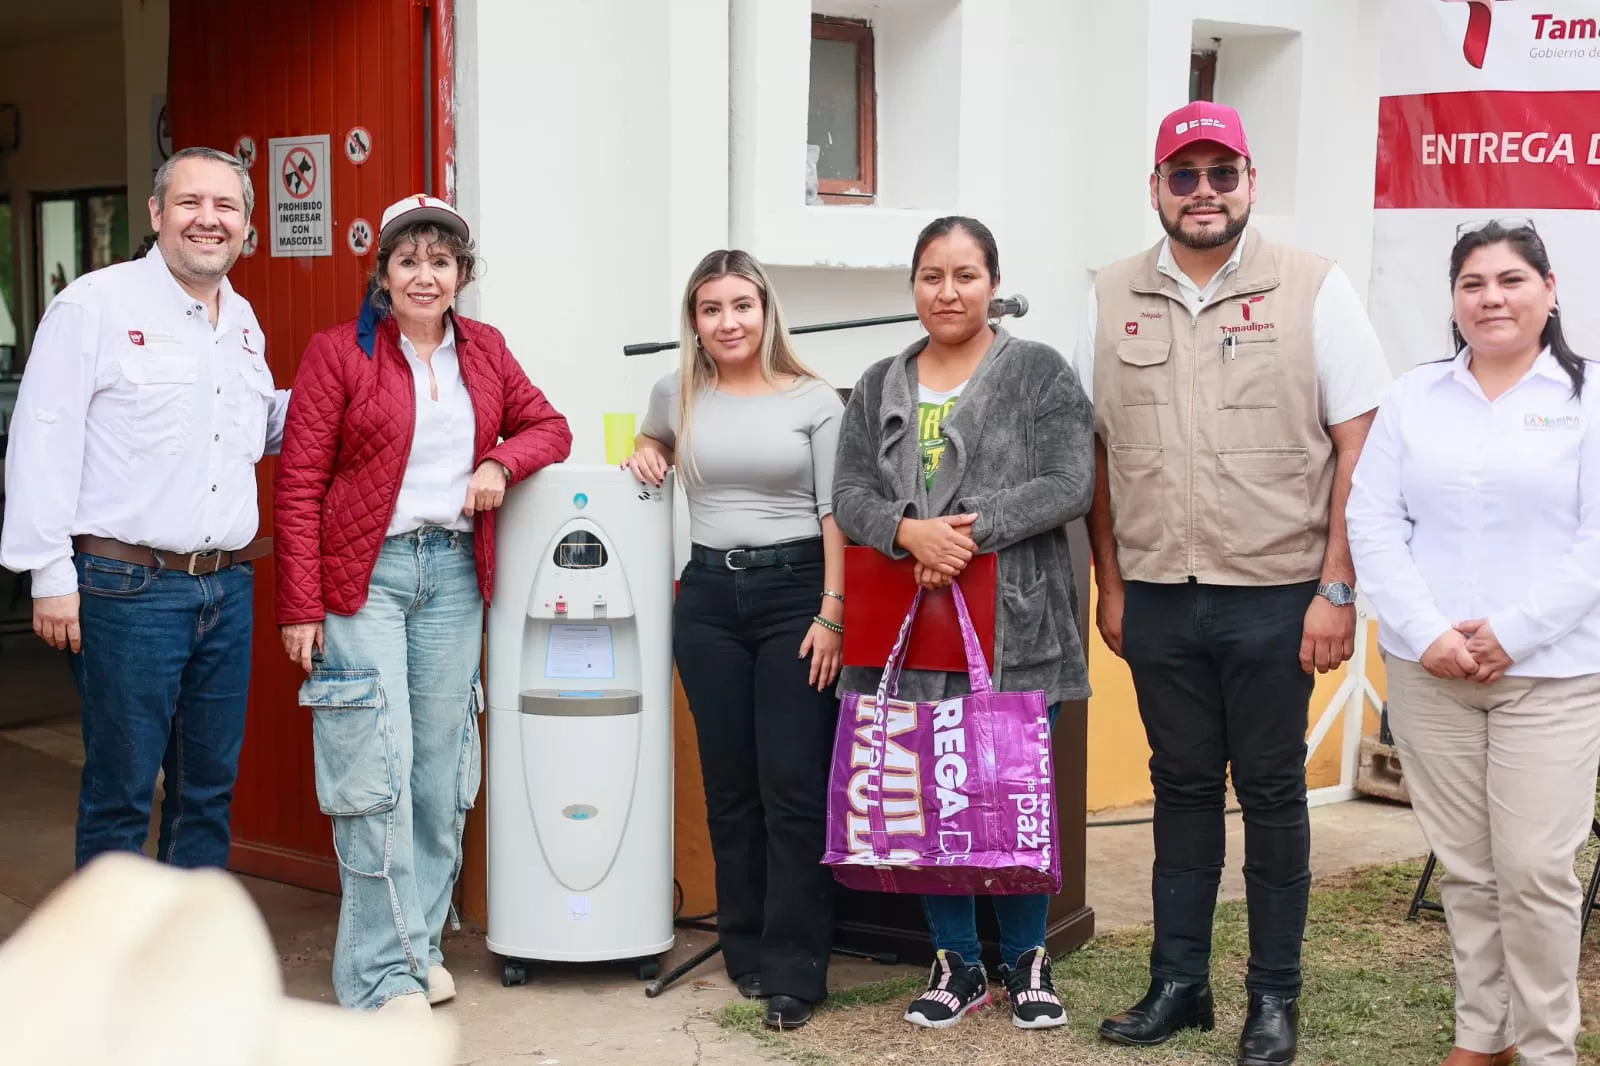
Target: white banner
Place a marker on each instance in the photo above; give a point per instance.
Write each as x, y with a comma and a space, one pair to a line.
1489, 109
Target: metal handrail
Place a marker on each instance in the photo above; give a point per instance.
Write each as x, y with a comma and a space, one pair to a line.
1015, 306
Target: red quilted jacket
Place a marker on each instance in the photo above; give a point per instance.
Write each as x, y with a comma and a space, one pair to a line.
346, 443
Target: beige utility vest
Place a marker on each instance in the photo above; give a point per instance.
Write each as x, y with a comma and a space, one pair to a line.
1220, 466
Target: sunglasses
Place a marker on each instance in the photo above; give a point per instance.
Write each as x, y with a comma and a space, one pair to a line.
1184, 181
1515, 222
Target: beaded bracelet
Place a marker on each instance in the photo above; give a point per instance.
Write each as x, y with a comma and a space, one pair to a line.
826, 624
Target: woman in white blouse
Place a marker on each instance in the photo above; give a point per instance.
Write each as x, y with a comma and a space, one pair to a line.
1475, 525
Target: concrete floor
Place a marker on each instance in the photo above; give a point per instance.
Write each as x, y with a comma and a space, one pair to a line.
571, 1015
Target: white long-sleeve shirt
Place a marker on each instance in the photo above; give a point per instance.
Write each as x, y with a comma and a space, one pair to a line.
137, 420
1464, 509
433, 490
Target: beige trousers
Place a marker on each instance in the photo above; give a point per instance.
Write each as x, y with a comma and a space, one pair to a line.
1502, 779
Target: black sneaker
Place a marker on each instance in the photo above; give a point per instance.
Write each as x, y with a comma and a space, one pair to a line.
1034, 1003
954, 987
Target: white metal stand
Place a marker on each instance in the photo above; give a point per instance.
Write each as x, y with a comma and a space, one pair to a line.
1350, 700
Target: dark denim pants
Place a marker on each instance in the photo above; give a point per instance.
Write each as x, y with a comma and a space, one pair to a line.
164, 677
766, 741
1217, 673
953, 920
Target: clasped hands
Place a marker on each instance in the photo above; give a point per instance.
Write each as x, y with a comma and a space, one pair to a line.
1469, 650
942, 547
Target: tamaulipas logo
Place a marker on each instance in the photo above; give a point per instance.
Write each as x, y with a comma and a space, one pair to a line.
1480, 16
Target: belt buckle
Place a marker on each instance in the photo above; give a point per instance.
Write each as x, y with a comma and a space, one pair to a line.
727, 559
209, 553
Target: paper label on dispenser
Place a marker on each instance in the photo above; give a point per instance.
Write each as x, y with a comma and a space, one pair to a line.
577, 908
579, 651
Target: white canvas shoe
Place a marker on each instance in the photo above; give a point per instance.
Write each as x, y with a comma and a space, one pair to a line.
441, 986
411, 1004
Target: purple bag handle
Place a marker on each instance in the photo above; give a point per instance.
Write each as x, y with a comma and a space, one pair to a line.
978, 676
978, 679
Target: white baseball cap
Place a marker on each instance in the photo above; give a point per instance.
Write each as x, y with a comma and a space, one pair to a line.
146, 965
422, 208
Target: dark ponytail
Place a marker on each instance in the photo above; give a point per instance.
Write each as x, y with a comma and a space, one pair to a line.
1529, 246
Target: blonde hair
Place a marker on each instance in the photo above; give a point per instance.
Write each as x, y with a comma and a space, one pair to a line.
697, 371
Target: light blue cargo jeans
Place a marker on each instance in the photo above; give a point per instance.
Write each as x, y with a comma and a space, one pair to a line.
394, 703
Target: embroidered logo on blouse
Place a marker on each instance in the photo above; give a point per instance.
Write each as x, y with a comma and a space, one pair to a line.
136, 336
1543, 423
1132, 329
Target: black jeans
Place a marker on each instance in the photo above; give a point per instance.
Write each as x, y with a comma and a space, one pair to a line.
1217, 673
766, 741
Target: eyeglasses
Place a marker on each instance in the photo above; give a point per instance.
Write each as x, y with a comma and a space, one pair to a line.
1514, 222
1183, 181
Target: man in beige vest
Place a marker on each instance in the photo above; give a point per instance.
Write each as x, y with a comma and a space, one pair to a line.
1233, 380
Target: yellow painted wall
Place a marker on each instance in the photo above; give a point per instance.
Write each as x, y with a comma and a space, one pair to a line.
1119, 758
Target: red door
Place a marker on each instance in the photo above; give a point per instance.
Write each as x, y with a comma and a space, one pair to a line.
368, 74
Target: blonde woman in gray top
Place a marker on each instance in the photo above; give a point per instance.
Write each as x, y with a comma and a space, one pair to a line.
757, 626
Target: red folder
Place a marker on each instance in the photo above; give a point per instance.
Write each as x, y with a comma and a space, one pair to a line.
878, 593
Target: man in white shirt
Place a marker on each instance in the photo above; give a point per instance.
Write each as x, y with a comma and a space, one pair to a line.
1234, 380
131, 501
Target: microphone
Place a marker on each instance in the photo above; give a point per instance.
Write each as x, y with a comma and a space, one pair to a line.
1015, 306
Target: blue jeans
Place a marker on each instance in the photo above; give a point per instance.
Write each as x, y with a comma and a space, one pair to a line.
163, 678
953, 920
394, 705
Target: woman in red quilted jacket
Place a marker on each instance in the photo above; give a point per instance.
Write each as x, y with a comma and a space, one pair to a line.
404, 430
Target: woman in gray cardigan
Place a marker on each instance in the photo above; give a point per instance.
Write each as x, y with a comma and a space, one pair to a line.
974, 441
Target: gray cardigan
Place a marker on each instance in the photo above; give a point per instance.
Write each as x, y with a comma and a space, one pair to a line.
1021, 457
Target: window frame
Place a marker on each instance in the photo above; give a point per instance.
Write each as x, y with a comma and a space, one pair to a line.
79, 197
1203, 65
863, 190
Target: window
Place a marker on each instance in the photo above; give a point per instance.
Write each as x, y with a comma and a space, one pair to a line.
841, 129
75, 233
1202, 76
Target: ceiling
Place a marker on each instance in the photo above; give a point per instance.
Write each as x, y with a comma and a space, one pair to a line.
23, 22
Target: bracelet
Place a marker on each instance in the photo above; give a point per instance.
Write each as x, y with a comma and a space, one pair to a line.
825, 624
836, 595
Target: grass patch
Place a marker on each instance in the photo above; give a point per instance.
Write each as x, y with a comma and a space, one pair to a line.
1379, 992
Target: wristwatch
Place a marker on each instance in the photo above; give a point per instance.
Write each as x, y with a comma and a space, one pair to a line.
1337, 593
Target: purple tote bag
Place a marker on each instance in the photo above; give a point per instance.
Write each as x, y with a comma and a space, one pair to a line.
955, 797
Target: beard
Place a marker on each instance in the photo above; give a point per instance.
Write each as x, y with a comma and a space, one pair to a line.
184, 260
1208, 239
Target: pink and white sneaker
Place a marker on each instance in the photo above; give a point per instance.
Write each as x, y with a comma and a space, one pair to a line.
1034, 1003
954, 988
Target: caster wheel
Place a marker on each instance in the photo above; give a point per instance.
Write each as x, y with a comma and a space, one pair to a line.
649, 971
513, 973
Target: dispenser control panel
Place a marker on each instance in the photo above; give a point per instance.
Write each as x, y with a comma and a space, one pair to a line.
585, 581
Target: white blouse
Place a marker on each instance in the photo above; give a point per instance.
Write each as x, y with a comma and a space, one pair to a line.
1463, 508
434, 488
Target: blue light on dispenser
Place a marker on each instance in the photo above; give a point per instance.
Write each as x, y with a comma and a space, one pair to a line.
580, 501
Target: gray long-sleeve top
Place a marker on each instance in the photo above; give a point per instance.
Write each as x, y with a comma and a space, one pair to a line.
764, 463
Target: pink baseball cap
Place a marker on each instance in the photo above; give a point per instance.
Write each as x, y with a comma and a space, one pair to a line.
1200, 121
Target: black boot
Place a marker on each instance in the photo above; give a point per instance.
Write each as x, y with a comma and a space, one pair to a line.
1271, 1032
1169, 1006
749, 985
786, 1012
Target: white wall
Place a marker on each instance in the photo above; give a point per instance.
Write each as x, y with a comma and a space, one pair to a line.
681, 128
69, 90
593, 162
144, 75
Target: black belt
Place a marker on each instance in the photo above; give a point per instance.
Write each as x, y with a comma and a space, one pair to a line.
796, 551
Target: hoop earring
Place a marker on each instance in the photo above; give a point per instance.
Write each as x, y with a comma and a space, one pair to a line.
698, 343
1555, 312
